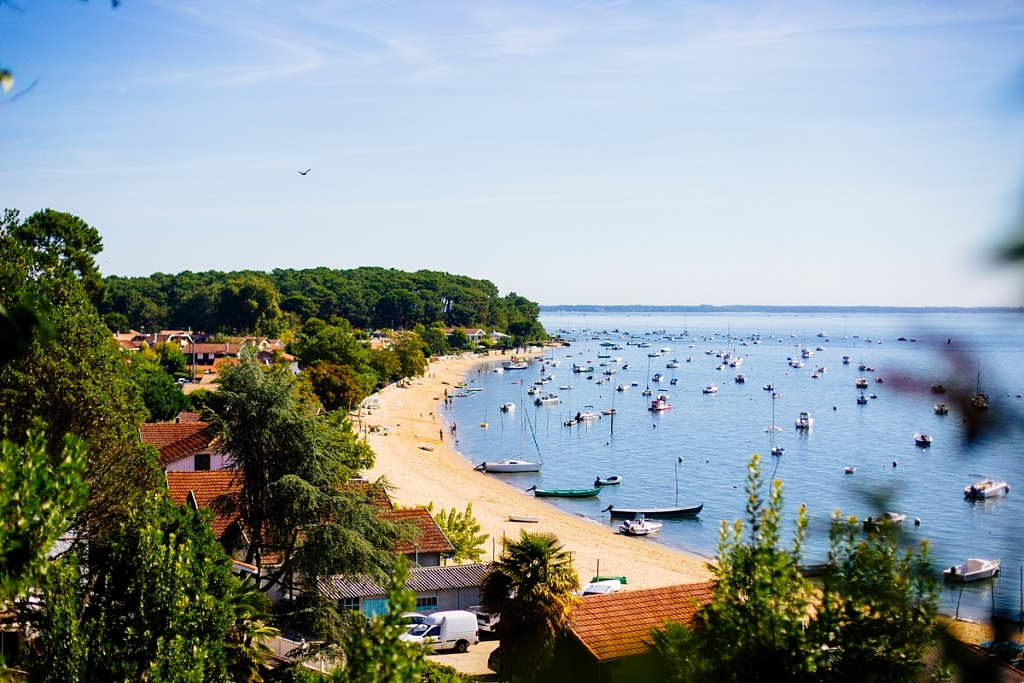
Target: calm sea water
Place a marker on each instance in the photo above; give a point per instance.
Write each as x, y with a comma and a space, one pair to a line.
716, 434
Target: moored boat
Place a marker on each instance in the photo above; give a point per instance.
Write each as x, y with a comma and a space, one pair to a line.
660, 402
564, 493
941, 409
654, 513
987, 488
922, 439
588, 414
508, 407
514, 365
805, 421
861, 383
547, 400
510, 466
639, 526
613, 480
974, 569
710, 389
862, 400
741, 378
778, 450
888, 519
850, 470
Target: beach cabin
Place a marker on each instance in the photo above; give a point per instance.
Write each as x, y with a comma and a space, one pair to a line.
608, 636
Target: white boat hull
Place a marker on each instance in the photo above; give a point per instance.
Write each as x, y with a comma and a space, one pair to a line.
511, 466
973, 569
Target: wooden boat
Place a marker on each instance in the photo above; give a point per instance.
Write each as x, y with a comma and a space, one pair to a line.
988, 488
564, 493
973, 569
888, 519
613, 480
639, 526
510, 466
654, 513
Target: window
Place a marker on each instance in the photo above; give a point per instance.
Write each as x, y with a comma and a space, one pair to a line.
425, 603
202, 461
348, 604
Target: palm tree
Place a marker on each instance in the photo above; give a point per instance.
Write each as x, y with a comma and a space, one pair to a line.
245, 647
531, 588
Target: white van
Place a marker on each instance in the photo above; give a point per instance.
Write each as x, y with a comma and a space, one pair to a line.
454, 630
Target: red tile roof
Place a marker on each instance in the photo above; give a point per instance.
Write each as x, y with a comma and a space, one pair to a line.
619, 625
190, 445
205, 487
188, 417
161, 434
219, 349
430, 538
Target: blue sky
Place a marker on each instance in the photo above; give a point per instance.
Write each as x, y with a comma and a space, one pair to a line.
619, 152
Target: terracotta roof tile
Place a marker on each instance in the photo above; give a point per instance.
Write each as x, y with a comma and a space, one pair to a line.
619, 625
219, 349
185, 417
205, 487
190, 445
430, 539
161, 434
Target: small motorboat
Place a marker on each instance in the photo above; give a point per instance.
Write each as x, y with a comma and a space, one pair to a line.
850, 470
588, 414
609, 411
510, 466
508, 407
922, 439
660, 402
805, 421
861, 383
672, 364
862, 367
941, 409
846, 360
533, 391
547, 400
741, 378
862, 400
639, 526
613, 480
654, 513
873, 396
571, 422
564, 493
987, 488
973, 569
622, 387
634, 384
657, 377
888, 519
710, 389
778, 450
674, 381
768, 387
565, 387
879, 380
815, 375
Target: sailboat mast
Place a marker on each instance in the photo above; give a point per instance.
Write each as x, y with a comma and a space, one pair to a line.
521, 426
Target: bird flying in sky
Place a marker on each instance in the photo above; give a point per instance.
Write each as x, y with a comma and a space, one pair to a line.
305, 172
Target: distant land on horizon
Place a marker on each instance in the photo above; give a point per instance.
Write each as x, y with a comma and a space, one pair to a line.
706, 308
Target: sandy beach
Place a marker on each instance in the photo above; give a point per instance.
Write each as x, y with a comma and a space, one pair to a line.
442, 476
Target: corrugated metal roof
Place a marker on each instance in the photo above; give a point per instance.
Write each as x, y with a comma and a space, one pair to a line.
421, 580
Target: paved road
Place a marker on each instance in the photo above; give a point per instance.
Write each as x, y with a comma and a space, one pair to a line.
473, 662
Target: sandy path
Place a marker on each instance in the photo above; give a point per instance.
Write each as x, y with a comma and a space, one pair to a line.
443, 477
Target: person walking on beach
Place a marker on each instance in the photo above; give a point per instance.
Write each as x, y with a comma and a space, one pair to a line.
441, 434
455, 428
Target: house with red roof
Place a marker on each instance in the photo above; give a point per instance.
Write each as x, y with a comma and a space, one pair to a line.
186, 444
609, 635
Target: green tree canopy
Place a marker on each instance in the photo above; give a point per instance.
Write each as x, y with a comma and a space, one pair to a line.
59, 237
295, 465
462, 529
160, 608
79, 385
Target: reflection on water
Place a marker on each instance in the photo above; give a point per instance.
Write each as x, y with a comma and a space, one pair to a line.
716, 433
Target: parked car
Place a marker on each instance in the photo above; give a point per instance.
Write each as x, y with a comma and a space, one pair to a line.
413, 619
453, 630
486, 622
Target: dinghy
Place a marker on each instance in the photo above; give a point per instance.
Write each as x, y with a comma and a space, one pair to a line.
613, 480
888, 519
509, 466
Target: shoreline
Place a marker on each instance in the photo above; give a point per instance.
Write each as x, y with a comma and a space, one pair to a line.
447, 479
